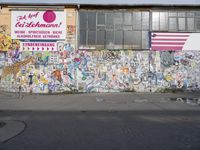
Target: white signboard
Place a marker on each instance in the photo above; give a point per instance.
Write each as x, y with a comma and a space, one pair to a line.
41, 25
38, 46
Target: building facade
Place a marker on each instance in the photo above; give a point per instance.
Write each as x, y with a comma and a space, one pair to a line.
99, 47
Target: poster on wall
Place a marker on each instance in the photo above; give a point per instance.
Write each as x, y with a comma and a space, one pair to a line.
38, 25
161, 41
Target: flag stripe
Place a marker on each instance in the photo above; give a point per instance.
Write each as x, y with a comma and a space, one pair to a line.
166, 48
174, 41
167, 39
170, 35
173, 38
166, 45
169, 43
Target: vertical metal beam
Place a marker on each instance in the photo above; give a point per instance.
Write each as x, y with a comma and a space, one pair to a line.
77, 44
1, 7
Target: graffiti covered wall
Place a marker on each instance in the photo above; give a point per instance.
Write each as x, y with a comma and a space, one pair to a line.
98, 71
112, 71
66, 68
178, 69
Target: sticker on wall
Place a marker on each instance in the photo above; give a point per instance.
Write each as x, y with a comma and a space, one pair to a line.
39, 46
174, 41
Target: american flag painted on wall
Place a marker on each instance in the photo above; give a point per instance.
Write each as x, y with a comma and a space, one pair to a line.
168, 41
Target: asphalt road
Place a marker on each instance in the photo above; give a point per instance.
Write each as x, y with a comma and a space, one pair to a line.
114, 130
154, 125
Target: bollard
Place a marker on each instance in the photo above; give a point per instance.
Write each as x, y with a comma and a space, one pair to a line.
19, 92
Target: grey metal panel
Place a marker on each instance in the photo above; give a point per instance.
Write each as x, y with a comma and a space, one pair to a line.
105, 2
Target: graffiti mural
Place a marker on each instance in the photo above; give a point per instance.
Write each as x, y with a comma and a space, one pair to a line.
185, 70
112, 71
67, 69
178, 69
6, 43
15, 68
38, 71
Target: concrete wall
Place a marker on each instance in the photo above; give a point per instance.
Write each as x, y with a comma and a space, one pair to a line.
91, 70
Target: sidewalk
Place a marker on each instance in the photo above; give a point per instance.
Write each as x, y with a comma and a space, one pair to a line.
95, 101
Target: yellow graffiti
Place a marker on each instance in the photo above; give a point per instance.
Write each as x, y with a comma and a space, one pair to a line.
15, 68
6, 43
125, 70
24, 81
168, 77
44, 81
35, 79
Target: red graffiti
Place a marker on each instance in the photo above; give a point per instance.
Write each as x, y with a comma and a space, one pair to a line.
57, 75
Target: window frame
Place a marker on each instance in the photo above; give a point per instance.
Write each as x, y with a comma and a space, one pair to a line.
117, 28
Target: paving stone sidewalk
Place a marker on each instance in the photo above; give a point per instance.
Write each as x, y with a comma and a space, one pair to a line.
95, 101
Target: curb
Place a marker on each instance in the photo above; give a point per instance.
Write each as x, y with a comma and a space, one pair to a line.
11, 129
